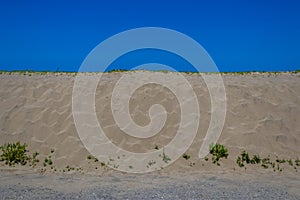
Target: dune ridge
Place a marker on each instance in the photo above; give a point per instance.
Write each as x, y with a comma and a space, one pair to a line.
263, 115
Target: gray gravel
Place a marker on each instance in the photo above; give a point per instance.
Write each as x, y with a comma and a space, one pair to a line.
32, 186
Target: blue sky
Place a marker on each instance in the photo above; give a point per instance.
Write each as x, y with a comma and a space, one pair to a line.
256, 35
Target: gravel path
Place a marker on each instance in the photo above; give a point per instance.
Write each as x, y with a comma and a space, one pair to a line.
35, 186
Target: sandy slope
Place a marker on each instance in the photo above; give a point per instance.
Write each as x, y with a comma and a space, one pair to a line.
263, 117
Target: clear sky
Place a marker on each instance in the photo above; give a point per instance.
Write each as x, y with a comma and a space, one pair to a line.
241, 35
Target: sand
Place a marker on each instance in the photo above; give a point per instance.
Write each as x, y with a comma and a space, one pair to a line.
262, 117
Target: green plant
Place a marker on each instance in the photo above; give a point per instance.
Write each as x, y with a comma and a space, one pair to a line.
278, 167
245, 157
14, 153
117, 70
79, 169
297, 161
218, 151
186, 156
90, 157
34, 159
165, 157
273, 164
280, 160
296, 71
69, 168
151, 162
43, 170
255, 159
264, 166
240, 162
266, 162
48, 161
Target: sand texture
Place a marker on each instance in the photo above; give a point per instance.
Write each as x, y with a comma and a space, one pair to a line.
263, 117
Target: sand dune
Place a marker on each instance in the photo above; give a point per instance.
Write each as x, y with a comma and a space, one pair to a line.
263, 117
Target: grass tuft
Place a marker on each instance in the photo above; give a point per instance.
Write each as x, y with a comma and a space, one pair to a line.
218, 151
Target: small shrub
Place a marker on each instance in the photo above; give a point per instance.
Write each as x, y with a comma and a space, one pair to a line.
34, 159
218, 151
152, 162
70, 168
245, 157
255, 159
50, 162
266, 162
14, 153
240, 162
272, 164
117, 70
90, 157
79, 169
265, 166
278, 167
290, 162
280, 160
186, 156
165, 157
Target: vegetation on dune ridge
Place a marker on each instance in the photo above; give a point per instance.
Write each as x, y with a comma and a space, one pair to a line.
244, 159
218, 151
17, 154
30, 72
